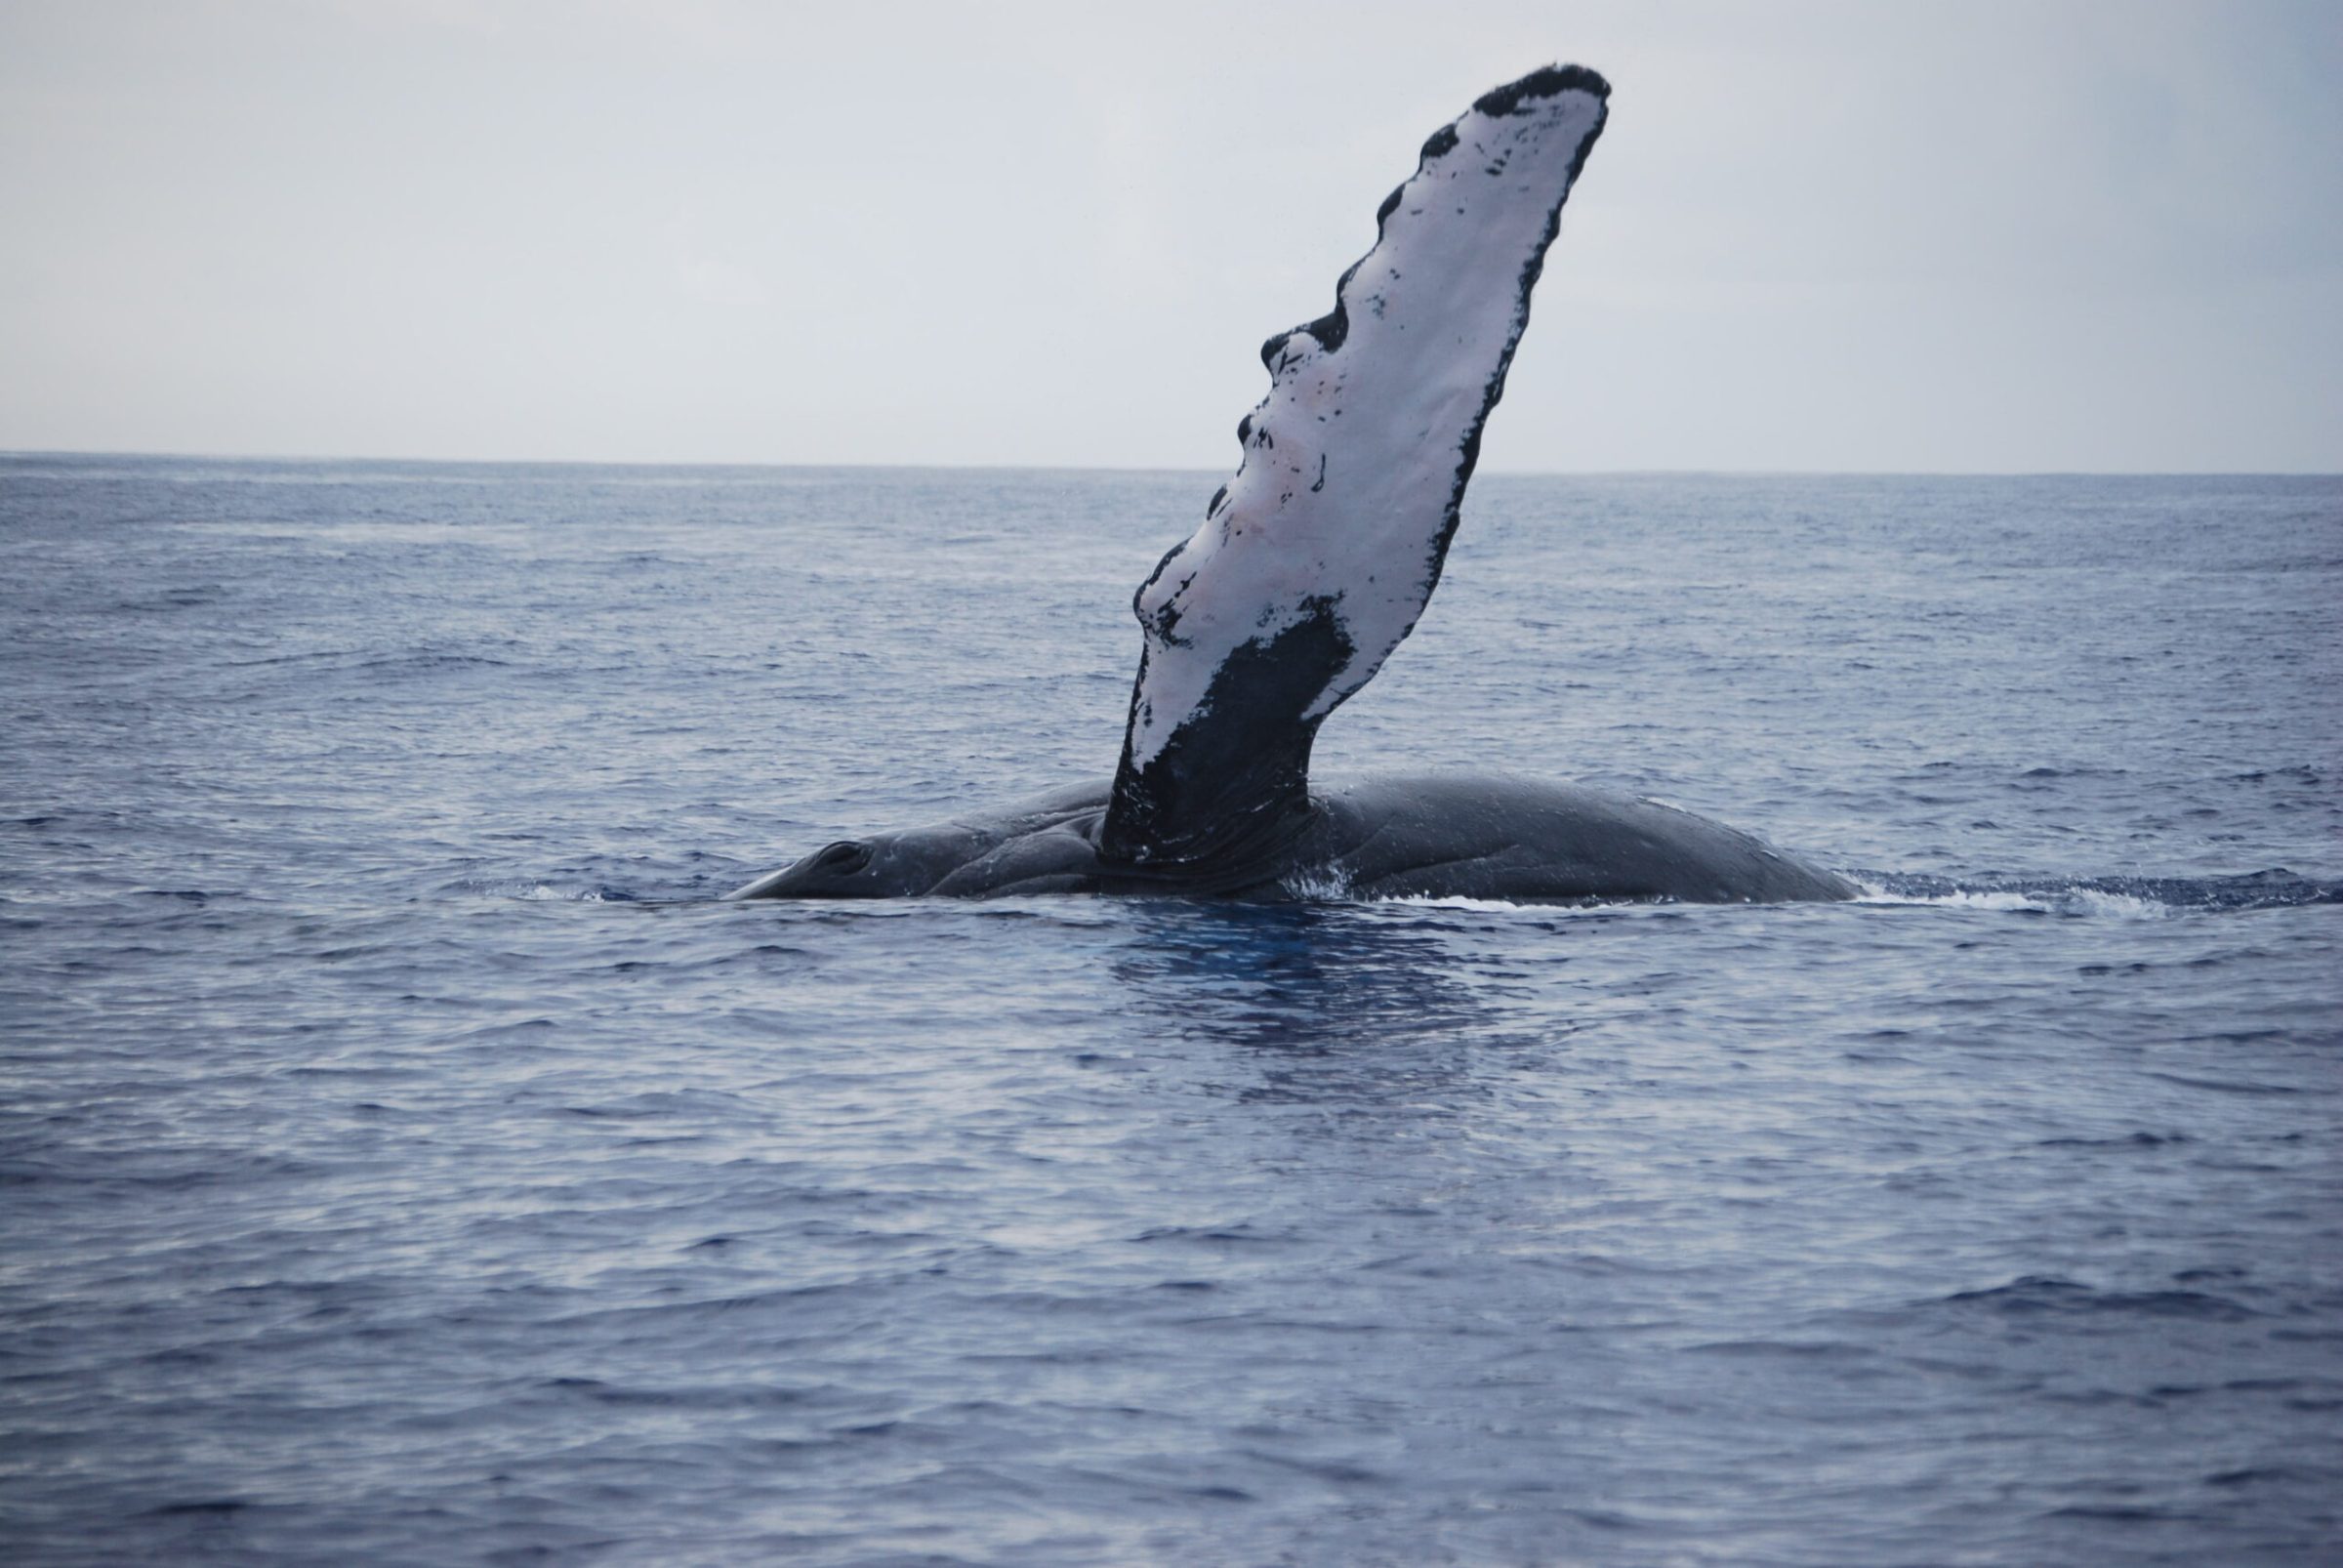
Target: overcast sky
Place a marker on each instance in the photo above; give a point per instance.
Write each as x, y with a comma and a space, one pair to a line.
1943, 237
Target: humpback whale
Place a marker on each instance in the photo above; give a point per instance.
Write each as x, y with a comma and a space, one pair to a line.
1312, 563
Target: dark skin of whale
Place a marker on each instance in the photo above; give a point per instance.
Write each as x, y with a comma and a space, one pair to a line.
1386, 835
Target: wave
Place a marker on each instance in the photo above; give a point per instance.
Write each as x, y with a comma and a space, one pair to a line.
2123, 897
2104, 897
2099, 898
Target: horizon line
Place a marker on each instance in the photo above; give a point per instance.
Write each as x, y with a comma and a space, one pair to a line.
16, 454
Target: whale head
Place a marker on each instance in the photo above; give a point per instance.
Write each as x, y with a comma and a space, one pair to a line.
1048, 844
886, 865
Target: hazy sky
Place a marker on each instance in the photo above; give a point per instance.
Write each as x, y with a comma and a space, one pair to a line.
1908, 236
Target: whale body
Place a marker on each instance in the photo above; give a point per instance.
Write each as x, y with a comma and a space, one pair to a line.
1441, 835
1312, 564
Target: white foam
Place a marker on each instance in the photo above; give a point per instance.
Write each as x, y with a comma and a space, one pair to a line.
2122, 906
1493, 906
1959, 899
1322, 885
2070, 900
546, 893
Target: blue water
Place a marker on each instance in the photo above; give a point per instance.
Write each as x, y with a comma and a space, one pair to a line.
403, 1160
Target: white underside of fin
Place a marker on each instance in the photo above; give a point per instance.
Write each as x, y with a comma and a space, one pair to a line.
1355, 460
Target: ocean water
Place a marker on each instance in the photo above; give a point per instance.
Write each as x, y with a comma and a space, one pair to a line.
403, 1159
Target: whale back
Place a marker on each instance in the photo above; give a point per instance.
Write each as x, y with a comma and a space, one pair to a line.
1314, 561
1439, 835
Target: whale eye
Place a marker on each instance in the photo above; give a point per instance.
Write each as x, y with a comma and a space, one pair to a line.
844, 858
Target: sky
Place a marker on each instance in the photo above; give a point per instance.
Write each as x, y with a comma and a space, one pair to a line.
1918, 237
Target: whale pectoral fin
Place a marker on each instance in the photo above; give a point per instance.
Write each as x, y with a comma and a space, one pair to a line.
1316, 559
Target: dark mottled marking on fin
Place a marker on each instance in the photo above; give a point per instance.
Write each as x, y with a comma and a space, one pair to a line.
1550, 81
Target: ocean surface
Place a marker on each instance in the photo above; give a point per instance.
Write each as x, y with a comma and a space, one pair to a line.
406, 1159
